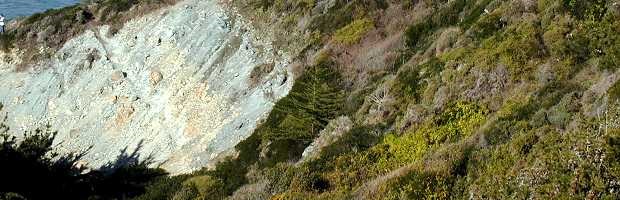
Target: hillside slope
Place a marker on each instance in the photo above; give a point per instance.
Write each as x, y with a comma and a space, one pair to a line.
391, 99
433, 99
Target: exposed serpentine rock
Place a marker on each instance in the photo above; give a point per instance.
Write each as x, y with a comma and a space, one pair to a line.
175, 82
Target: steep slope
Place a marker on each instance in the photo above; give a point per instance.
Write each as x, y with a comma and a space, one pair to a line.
439, 99
181, 85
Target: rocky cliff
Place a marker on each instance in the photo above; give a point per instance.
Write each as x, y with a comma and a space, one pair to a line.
182, 85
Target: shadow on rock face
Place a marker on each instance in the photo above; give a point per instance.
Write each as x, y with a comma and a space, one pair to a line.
31, 169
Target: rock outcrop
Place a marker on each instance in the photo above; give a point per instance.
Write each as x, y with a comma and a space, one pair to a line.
174, 84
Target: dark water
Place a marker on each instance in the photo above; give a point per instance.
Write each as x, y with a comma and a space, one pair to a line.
14, 8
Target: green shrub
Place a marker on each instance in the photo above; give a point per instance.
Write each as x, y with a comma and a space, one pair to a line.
593, 9
410, 84
552, 93
416, 32
340, 16
163, 188
614, 91
487, 25
359, 138
543, 163
420, 185
313, 101
476, 12
458, 121
352, 33
228, 176
7, 41
518, 109
519, 47
604, 41
207, 187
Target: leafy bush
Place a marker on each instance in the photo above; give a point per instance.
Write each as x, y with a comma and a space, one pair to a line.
357, 139
457, 121
544, 164
414, 33
7, 41
487, 25
614, 91
353, 32
340, 16
163, 188
408, 84
475, 13
421, 185
593, 9
207, 187
411, 82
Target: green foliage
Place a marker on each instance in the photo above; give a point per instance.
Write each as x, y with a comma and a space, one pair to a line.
356, 158
487, 25
543, 156
410, 83
359, 138
340, 15
593, 9
352, 33
446, 15
229, 175
207, 187
555, 38
421, 185
552, 93
614, 91
7, 41
536, 143
163, 188
297, 119
416, 32
604, 42
512, 118
590, 37
456, 122
518, 47
475, 17
313, 101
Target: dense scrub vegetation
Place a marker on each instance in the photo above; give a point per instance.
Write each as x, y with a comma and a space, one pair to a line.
478, 99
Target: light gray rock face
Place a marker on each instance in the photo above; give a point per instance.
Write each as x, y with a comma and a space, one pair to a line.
175, 82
